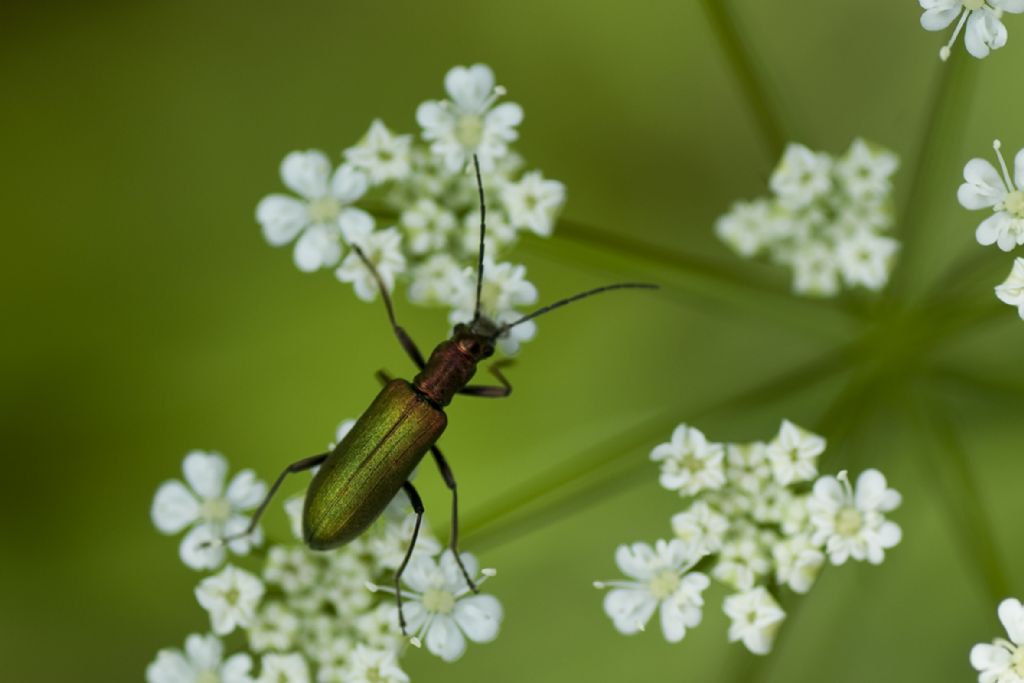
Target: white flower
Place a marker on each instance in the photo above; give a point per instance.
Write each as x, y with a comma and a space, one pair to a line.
815, 270
748, 467
427, 226
292, 567
801, 176
382, 248
662, 580
231, 598
797, 562
274, 628
379, 628
381, 154
343, 583
326, 639
322, 214
985, 31
756, 617
744, 556
865, 258
853, 524
212, 511
701, 527
984, 188
793, 454
369, 665
689, 464
466, 123
441, 611
388, 544
436, 281
277, 668
865, 171
504, 288
1003, 660
746, 228
201, 662
1011, 291
533, 202
500, 232
509, 341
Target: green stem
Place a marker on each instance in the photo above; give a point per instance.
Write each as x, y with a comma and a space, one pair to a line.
588, 477
964, 503
723, 23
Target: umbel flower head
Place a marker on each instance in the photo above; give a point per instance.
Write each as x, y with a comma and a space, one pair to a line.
320, 616
985, 188
826, 219
982, 18
758, 520
413, 209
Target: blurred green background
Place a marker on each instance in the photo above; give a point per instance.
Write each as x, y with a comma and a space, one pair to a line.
143, 314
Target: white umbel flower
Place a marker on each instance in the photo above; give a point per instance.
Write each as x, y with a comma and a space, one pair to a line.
793, 454
865, 258
427, 226
689, 463
852, 523
468, 123
865, 171
382, 248
381, 154
533, 202
283, 668
211, 509
802, 176
1011, 291
756, 618
700, 526
201, 662
985, 30
441, 611
231, 598
662, 581
985, 189
1002, 661
370, 665
321, 214
797, 562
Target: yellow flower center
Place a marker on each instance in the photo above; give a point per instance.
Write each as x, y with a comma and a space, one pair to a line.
664, 584
208, 677
1017, 661
1014, 203
324, 210
216, 510
974, 4
439, 601
469, 130
848, 521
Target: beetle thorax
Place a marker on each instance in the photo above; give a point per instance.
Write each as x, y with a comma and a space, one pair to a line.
453, 363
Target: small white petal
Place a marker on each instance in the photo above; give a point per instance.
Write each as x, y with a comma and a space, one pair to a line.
245, 491
282, 218
445, 639
479, 616
205, 473
1011, 614
306, 173
983, 187
174, 507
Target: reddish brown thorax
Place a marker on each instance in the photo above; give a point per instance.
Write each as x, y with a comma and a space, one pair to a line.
453, 363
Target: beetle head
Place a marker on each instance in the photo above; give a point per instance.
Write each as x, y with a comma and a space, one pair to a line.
476, 338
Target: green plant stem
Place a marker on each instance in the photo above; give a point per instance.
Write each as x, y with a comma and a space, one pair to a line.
723, 23
584, 479
953, 475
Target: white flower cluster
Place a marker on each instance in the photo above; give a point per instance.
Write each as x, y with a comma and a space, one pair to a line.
313, 616
825, 220
985, 188
412, 206
759, 519
1003, 660
983, 19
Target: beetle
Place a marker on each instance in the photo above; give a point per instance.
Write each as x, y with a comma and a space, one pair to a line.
366, 469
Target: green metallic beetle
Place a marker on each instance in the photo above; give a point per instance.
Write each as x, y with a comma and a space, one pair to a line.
364, 472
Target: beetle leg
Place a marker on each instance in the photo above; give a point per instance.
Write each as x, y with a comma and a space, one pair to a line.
490, 391
449, 480
417, 506
383, 376
299, 466
403, 338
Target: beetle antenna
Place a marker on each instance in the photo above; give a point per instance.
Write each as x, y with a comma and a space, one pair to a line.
483, 228
576, 297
